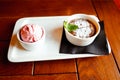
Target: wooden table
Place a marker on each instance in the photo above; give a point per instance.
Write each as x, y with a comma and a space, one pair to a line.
95, 68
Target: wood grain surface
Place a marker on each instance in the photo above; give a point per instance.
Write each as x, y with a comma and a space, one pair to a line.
95, 68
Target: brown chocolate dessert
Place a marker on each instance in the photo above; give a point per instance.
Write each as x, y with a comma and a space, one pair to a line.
85, 28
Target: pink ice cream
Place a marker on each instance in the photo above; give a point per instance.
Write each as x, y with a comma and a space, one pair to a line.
31, 33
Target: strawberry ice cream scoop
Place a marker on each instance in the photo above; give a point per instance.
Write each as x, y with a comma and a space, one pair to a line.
31, 33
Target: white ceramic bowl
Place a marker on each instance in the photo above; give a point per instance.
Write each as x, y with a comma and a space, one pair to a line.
34, 45
82, 41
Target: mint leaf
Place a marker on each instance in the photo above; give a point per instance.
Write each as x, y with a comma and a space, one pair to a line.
65, 24
70, 27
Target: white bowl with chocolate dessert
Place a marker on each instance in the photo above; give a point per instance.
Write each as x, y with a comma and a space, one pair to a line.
81, 29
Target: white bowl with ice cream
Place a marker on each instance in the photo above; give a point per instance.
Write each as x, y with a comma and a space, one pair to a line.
31, 36
81, 29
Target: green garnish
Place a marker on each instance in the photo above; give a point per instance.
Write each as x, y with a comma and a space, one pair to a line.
70, 27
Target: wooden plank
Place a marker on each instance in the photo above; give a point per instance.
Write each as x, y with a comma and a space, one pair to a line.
98, 68
41, 77
7, 26
43, 7
58, 66
110, 13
